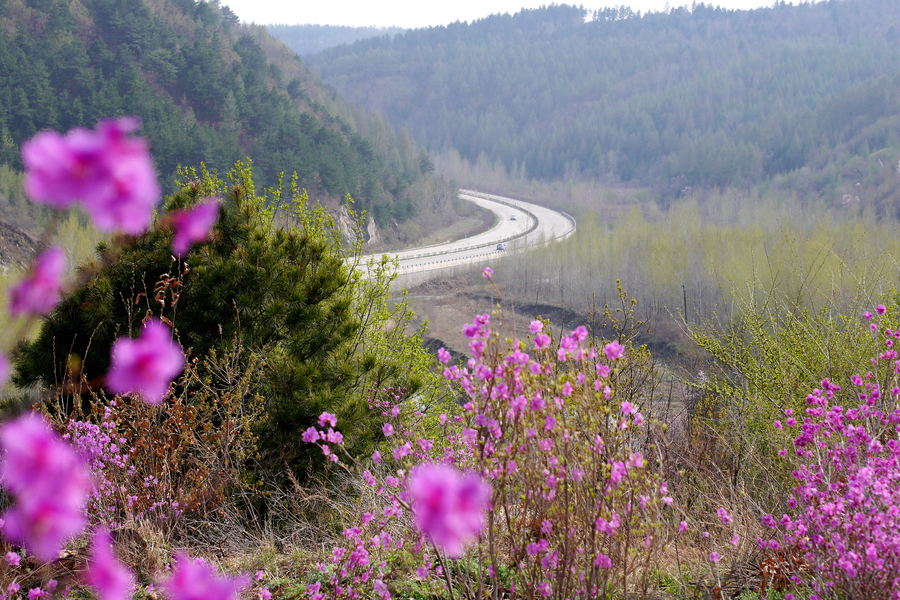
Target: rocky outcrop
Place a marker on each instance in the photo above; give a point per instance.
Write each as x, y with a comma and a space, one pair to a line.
345, 223
372, 232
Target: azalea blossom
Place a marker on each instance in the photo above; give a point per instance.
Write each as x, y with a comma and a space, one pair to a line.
443, 355
109, 173
193, 225
614, 350
147, 365
448, 505
111, 579
193, 579
49, 482
41, 289
327, 418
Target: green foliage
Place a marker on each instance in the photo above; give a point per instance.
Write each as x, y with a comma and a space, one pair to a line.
685, 97
700, 260
273, 277
768, 359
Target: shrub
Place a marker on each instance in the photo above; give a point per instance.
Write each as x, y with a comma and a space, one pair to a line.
763, 363
273, 277
844, 518
577, 508
154, 464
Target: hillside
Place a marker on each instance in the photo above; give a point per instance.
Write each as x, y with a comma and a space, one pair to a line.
805, 97
309, 38
207, 89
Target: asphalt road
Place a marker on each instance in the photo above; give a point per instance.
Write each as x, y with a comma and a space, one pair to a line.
520, 226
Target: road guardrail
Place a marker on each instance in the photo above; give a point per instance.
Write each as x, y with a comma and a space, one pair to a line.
443, 263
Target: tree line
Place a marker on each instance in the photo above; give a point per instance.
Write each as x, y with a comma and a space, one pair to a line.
804, 96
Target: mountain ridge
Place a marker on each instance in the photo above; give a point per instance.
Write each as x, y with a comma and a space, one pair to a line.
705, 97
206, 91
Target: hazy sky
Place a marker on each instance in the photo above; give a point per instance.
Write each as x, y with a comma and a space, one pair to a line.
417, 13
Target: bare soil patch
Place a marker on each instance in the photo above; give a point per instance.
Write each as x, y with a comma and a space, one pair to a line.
17, 245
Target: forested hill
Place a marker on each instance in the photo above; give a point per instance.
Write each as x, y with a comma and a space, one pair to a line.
702, 97
205, 89
309, 39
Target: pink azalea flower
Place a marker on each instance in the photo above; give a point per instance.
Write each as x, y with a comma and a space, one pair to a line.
536, 327
193, 579
43, 525
448, 506
12, 559
541, 341
193, 225
603, 561
49, 482
110, 578
443, 355
487, 273
147, 365
327, 417
617, 472
35, 457
106, 171
5, 367
614, 350
41, 290
723, 514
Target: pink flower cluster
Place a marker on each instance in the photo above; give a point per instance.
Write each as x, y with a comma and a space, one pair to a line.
448, 505
323, 438
107, 172
193, 225
538, 434
147, 365
111, 579
111, 176
49, 482
41, 289
50, 485
193, 579
104, 455
846, 504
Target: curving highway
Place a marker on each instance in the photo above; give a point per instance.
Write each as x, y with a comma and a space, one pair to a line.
520, 226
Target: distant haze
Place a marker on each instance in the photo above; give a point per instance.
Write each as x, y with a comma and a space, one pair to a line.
411, 14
